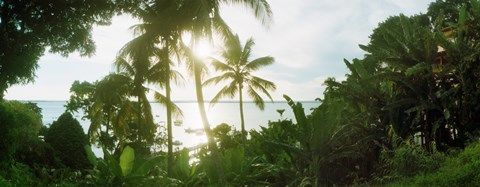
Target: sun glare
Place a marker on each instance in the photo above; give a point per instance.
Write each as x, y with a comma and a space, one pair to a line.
203, 49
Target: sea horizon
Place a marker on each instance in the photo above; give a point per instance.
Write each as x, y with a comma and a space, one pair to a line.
178, 101
224, 112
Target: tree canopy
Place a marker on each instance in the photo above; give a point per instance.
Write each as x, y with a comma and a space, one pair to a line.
28, 28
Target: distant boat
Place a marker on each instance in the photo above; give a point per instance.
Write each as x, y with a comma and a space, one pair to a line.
178, 123
196, 131
177, 143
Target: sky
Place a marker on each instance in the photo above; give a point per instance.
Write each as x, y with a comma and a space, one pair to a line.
308, 39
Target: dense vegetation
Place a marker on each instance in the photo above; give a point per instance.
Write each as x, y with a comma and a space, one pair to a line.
404, 116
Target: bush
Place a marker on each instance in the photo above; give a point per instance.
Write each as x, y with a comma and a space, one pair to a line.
460, 170
226, 136
18, 122
67, 138
36, 152
407, 161
18, 174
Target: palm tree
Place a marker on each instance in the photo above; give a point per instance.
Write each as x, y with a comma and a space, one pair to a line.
169, 20
167, 75
109, 106
238, 70
158, 72
160, 28
138, 69
202, 18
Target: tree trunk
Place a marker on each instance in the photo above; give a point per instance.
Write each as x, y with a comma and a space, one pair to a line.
208, 131
244, 132
139, 134
169, 124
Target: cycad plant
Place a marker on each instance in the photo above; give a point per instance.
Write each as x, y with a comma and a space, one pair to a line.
238, 69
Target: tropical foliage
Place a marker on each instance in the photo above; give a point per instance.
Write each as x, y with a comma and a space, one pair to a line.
404, 115
20, 122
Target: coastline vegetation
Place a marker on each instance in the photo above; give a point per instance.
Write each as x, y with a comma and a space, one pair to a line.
406, 114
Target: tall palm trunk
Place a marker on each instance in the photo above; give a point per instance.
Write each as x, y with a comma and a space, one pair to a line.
169, 123
244, 132
208, 131
139, 100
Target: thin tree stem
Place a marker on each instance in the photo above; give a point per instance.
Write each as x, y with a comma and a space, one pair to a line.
242, 118
169, 123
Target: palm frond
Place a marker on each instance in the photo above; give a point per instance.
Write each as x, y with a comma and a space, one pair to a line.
139, 29
96, 120
140, 47
121, 65
221, 27
257, 99
263, 83
257, 86
220, 66
220, 78
157, 74
259, 62
232, 53
247, 50
260, 8
163, 100
176, 77
146, 111
228, 90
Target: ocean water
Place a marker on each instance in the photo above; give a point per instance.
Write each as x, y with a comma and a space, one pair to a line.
226, 112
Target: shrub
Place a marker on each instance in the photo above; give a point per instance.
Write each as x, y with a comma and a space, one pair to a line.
18, 174
226, 136
460, 170
18, 122
35, 152
407, 161
67, 138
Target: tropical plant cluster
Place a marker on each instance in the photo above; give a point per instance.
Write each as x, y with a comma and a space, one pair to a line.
405, 115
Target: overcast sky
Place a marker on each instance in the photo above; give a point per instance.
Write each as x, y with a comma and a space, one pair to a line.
309, 40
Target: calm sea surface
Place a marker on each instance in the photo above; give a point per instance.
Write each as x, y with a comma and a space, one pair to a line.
227, 112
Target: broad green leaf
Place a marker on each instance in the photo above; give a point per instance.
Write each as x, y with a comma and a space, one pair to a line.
417, 68
112, 163
90, 155
148, 165
126, 160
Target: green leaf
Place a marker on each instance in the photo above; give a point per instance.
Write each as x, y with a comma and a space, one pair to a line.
126, 160
399, 103
446, 113
417, 68
462, 15
363, 47
112, 163
148, 165
90, 155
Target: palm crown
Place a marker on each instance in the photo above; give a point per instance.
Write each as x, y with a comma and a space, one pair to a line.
238, 70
